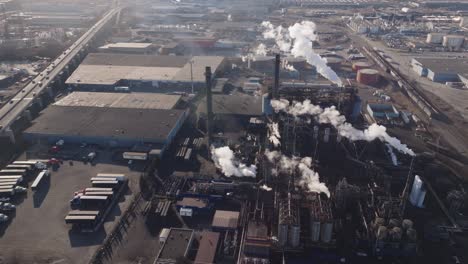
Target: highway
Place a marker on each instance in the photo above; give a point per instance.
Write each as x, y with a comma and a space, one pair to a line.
24, 98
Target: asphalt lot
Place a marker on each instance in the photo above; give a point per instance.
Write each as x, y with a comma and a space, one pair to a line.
38, 233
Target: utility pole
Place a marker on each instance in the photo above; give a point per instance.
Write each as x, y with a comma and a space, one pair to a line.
191, 73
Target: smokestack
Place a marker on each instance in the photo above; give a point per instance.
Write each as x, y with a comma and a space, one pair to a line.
277, 73
209, 104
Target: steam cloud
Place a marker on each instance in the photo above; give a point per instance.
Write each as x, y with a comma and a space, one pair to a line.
298, 40
274, 134
266, 188
225, 160
309, 179
332, 116
261, 50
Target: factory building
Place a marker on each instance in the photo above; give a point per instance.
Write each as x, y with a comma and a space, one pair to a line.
177, 245
231, 111
257, 243
225, 220
208, 248
115, 127
383, 113
121, 100
128, 47
143, 73
441, 69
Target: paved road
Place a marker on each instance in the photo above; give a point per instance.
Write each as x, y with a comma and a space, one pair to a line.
23, 99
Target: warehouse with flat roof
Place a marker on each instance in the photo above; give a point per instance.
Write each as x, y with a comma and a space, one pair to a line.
442, 69
121, 100
176, 246
143, 73
107, 126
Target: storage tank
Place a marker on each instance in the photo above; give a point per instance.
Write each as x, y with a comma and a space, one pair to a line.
411, 234
282, 234
394, 223
382, 233
418, 193
334, 62
315, 231
453, 41
397, 233
361, 65
368, 76
326, 137
435, 38
316, 129
407, 224
294, 235
326, 232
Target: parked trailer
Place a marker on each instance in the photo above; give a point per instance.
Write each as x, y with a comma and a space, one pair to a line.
107, 184
98, 190
5, 184
7, 192
119, 177
15, 181
40, 178
88, 201
13, 172
103, 179
18, 167
81, 221
80, 212
100, 193
17, 178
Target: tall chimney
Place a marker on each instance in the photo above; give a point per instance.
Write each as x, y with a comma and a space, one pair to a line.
277, 72
209, 105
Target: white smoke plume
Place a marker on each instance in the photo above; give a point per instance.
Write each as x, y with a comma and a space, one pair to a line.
309, 179
225, 160
298, 40
266, 188
261, 50
332, 116
274, 134
289, 67
279, 34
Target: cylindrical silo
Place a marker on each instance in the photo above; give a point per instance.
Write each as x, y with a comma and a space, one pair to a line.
294, 235
334, 62
435, 38
394, 223
361, 65
326, 232
453, 41
411, 235
315, 230
407, 224
282, 234
326, 136
381, 233
368, 76
316, 130
396, 234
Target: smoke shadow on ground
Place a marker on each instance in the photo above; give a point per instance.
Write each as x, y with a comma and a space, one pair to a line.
78, 239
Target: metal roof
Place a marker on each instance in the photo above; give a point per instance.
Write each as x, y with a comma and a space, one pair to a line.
234, 104
176, 245
120, 100
109, 68
101, 122
225, 219
207, 250
445, 65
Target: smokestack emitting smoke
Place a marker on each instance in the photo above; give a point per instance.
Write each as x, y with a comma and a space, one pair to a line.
274, 134
332, 116
209, 105
309, 179
298, 40
225, 160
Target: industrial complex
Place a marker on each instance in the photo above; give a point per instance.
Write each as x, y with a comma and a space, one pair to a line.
234, 132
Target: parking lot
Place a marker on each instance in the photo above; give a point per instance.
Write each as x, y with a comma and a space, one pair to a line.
37, 232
